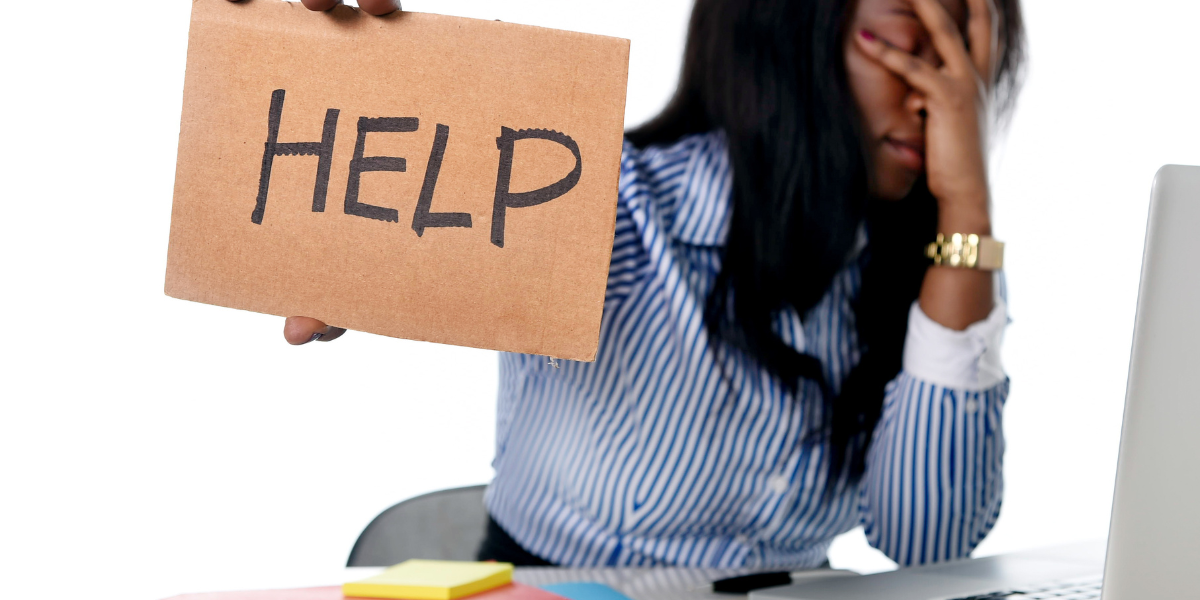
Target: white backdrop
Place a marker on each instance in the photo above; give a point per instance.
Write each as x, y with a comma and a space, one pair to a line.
150, 447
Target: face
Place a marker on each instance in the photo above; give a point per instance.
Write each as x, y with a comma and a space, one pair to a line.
892, 113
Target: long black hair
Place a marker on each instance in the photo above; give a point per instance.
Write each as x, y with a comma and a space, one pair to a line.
771, 75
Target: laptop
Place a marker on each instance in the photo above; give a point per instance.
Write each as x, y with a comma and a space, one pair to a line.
1153, 547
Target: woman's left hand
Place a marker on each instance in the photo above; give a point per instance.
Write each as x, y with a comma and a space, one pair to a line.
956, 97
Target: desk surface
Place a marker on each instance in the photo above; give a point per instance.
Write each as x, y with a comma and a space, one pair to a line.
662, 583
669, 583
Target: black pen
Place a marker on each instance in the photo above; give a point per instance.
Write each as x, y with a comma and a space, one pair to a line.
744, 584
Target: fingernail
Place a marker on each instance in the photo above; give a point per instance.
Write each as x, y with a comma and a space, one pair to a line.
315, 337
867, 35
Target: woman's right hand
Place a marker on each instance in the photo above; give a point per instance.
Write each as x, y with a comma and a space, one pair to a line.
302, 330
371, 7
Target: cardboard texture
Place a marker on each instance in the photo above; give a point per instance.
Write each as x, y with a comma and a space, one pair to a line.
418, 176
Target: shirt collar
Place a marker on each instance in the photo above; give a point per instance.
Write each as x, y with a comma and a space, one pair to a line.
703, 205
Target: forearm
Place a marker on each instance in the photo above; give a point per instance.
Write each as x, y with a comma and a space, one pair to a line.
934, 470
956, 297
934, 478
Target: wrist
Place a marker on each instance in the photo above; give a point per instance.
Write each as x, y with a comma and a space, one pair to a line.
964, 218
970, 251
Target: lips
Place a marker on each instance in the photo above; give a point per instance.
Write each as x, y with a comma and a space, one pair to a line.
909, 152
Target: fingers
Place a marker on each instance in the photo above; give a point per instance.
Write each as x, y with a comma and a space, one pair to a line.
371, 7
947, 39
302, 330
320, 4
983, 29
917, 72
379, 7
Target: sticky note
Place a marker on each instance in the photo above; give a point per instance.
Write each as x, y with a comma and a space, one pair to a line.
585, 591
431, 580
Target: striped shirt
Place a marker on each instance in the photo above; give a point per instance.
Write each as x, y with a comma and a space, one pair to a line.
664, 452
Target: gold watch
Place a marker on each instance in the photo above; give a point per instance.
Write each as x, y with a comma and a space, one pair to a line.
967, 251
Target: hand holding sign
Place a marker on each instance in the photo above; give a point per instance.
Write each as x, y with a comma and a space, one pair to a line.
460, 188
302, 330
372, 7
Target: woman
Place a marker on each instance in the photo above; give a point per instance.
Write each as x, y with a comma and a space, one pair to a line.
779, 362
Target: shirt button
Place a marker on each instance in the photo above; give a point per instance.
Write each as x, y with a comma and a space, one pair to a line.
971, 406
778, 484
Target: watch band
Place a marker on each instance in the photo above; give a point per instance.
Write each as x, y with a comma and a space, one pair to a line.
969, 251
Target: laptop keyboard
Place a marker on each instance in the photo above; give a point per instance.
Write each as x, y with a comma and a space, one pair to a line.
1083, 589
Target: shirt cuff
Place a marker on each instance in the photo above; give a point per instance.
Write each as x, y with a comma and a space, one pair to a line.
968, 359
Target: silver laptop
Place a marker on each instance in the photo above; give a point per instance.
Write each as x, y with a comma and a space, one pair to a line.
1153, 548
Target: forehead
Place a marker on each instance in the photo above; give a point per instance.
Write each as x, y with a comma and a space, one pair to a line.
904, 8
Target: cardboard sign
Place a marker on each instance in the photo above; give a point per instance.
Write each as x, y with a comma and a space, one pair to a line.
417, 176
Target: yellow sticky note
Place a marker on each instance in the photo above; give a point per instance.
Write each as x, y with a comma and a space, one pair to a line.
431, 580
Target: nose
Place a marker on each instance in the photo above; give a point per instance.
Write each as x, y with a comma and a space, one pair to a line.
915, 103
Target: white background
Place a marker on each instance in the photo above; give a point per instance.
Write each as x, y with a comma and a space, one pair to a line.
150, 447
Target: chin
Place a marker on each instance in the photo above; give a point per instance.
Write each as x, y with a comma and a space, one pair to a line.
891, 193
893, 184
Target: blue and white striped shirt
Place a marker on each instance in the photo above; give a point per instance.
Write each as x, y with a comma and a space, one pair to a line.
652, 456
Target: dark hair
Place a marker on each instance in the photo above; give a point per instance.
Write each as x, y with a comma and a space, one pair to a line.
771, 75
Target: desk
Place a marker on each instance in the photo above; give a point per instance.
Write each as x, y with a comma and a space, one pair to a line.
670, 583
667, 583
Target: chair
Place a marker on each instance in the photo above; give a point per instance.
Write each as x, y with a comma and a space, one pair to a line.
444, 525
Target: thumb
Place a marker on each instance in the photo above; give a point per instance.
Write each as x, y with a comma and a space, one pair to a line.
302, 330
320, 5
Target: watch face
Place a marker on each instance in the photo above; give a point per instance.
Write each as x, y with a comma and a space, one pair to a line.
970, 251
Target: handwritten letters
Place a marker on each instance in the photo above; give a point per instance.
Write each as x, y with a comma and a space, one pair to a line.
423, 217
